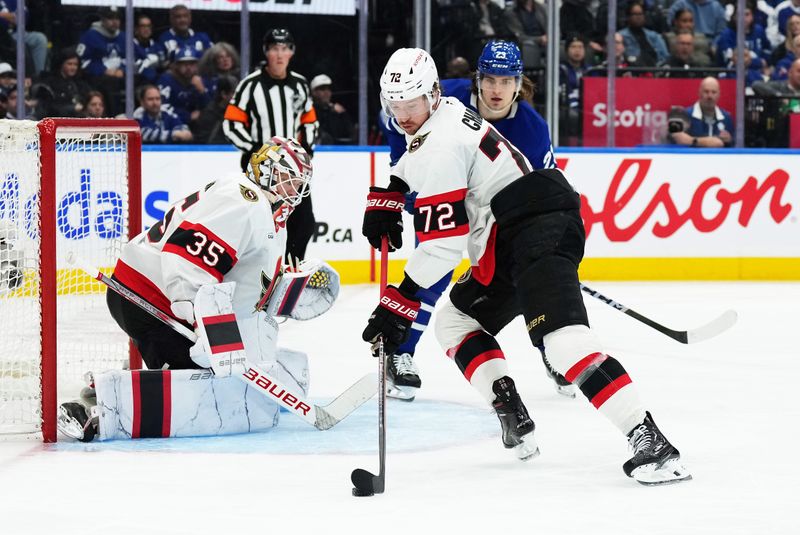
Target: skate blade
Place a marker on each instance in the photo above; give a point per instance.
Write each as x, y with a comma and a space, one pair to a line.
403, 393
528, 449
68, 425
671, 471
567, 390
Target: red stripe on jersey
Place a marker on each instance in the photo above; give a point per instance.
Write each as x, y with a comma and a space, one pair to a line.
460, 230
143, 287
166, 422
610, 389
449, 196
204, 258
595, 359
480, 359
484, 271
136, 426
453, 350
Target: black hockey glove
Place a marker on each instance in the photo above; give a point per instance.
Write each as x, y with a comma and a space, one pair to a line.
392, 319
383, 217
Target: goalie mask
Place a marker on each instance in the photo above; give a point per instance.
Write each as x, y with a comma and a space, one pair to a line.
283, 169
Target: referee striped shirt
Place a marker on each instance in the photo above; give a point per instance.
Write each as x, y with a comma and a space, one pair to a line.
263, 107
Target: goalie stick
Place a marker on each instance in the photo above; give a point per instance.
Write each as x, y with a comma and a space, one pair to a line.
704, 332
320, 416
364, 482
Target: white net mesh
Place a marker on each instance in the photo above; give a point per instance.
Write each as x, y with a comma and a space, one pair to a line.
91, 220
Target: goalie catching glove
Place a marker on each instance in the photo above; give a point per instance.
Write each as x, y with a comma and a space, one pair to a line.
392, 319
305, 293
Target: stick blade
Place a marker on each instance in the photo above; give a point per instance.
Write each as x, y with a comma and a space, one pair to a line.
366, 483
712, 329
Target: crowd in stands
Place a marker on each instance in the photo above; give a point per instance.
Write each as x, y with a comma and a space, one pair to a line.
195, 76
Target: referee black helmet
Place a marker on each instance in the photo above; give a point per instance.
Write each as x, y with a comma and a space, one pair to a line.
275, 36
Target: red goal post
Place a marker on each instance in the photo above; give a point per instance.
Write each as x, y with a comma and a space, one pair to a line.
65, 185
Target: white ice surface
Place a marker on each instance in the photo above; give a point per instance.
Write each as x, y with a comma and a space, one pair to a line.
729, 404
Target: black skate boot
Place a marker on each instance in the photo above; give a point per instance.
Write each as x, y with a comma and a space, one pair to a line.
402, 377
655, 461
563, 387
516, 424
74, 421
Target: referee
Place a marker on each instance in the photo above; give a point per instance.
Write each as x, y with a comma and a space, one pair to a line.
274, 101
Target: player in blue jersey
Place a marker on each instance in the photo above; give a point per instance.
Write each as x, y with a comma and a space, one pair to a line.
500, 93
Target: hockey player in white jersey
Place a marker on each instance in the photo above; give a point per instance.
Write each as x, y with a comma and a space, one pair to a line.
525, 238
232, 230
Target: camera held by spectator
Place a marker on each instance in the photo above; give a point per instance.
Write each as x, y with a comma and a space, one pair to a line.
677, 120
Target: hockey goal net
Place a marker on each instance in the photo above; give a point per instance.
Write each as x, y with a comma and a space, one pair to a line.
65, 185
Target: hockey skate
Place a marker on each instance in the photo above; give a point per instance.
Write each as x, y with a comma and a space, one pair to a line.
563, 387
402, 377
75, 422
516, 424
655, 461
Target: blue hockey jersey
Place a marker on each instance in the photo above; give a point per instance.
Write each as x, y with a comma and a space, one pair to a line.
184, 99
101, 51
158, 129
169, 41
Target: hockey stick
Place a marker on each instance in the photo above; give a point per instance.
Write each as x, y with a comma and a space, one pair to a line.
704, 332
320, 416
365, 483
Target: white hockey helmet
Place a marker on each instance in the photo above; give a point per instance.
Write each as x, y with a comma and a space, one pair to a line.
282, 168
409, 73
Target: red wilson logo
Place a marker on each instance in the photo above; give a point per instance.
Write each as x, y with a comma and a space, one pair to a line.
708, 193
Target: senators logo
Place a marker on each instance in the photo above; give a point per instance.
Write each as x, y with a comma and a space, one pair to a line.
464, 276
248, 194
417, 142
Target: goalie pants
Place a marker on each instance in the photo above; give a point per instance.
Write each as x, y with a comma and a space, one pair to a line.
158, 343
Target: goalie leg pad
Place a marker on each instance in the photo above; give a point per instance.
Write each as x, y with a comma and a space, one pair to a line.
178, 403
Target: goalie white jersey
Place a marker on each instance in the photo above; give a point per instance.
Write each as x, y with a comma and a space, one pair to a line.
456, 162
225, 230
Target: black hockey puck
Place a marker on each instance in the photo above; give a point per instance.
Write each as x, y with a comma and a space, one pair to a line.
361, 492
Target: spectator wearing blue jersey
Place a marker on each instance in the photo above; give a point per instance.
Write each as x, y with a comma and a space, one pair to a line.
500, 94
782, 12
180, 34
146, 51
758, 46
35, 42
182, 88
158, 123
571, 71
102, 53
